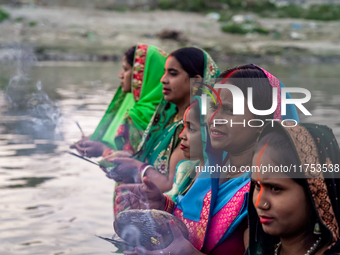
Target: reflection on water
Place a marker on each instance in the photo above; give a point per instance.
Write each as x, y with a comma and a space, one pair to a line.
53, 203
25, 182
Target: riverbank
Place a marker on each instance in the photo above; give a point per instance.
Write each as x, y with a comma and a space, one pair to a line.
73, 34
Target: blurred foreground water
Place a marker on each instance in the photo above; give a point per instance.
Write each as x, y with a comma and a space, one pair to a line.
54, 203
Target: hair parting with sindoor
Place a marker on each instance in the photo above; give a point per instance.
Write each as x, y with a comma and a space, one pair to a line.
249, 75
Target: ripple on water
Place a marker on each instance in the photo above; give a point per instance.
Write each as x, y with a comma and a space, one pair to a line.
25, 182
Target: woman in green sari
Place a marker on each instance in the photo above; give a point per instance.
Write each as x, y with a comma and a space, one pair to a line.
133, 105
159, 151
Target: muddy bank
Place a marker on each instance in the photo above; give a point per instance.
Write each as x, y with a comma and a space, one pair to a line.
95, 35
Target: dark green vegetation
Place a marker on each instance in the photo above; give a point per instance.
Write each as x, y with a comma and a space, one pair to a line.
244, 29
3, 15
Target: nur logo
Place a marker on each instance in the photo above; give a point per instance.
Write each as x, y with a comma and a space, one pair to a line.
238, 99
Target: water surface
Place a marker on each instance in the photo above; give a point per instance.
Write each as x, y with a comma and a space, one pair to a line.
53, 203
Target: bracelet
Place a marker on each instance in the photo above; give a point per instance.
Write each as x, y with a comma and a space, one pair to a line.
141, 171
169, 205
144, 170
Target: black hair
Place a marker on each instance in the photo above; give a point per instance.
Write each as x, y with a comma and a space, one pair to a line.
282, 152
191, 59
195, 111
251, 76
130, 54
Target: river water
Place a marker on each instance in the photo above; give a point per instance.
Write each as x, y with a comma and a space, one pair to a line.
54, 203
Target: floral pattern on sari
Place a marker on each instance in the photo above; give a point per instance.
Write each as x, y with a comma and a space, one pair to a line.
138, 70
211, 69
127, 135
162, 162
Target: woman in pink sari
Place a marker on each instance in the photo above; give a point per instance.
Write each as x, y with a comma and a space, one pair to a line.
215, 207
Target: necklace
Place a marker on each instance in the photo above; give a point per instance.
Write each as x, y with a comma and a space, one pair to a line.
311, 250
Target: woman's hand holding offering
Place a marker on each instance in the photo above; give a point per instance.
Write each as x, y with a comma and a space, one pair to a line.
88, 148
179, 246
123, 168
145, 195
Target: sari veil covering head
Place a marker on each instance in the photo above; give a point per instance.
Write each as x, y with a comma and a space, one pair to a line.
186, 169
128, 114
313, 144
213, 212
162, 134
